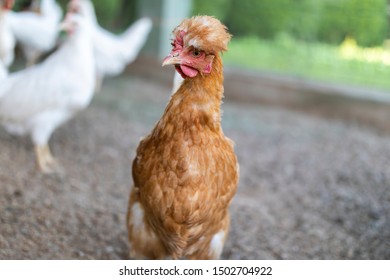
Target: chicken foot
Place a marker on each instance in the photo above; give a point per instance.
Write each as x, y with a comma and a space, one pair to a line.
46, 162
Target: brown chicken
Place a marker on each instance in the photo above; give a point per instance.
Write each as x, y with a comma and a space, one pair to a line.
185, 172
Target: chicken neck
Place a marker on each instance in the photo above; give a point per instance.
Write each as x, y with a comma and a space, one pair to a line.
198, 99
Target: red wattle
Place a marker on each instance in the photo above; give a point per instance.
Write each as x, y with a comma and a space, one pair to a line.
188, 71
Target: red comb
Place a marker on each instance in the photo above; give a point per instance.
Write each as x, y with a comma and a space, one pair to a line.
8, 4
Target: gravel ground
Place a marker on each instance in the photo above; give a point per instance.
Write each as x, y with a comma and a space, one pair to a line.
310, 188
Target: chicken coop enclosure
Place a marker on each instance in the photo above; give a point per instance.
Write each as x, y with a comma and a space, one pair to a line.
306, 102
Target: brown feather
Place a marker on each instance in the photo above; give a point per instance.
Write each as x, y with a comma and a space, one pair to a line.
185, 172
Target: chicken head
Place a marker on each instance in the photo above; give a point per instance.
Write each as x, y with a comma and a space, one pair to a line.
7, 4
72, 23
195, 45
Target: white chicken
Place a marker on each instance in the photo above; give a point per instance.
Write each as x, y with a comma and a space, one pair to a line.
7, 41
37, 100
36, 33
113, 52
3, 71
177, 81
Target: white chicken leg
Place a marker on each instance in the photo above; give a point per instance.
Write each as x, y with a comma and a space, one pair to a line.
37, 100
46, 162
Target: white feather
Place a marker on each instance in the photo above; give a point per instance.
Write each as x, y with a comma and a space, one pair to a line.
177, 81
40, 98
7, 41
194, 42
114, 52
137, 217
216, 244
37, 33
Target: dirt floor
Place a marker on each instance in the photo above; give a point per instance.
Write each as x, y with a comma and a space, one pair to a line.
310, 187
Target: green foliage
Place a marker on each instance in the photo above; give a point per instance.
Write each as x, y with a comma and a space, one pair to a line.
63, 3
366, 21
307, 60
21, 5
309, 20
264, 18
106, 10
304, 23
217, 8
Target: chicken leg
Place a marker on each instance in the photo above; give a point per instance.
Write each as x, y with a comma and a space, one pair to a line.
46, 162
99, 82
32, 57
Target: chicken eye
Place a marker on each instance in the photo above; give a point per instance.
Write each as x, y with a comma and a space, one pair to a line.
196, 53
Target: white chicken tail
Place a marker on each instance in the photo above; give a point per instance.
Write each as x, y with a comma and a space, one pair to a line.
134, 38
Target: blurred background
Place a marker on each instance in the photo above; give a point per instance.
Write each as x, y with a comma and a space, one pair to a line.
307, 102
337, 41
342, 41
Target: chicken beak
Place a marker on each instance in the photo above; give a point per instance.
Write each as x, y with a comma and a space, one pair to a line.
172, 59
